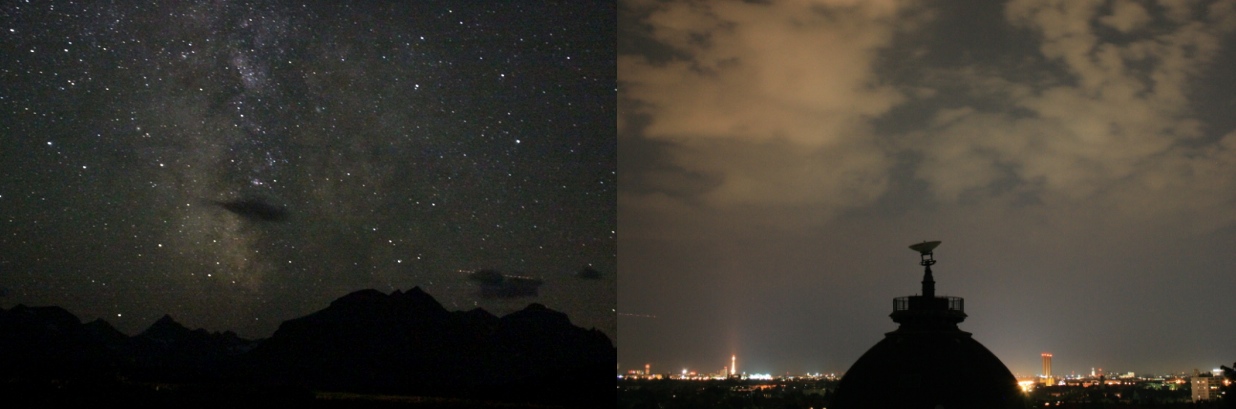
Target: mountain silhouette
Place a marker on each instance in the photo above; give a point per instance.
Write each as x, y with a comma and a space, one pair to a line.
368, 342
406, 342
169, 351
103, 332
49, 343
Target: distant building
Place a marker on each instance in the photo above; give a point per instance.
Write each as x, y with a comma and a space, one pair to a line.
1206, 386
928, 362
1047, 379
1046, 365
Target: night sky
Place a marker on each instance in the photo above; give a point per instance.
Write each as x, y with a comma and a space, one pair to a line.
1076, 158
404, 142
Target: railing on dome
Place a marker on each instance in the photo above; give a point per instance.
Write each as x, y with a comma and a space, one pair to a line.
935, 303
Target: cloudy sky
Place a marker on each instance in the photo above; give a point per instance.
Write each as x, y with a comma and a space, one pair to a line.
1076, 158
406, 142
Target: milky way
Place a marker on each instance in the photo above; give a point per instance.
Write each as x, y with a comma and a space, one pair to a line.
402, 145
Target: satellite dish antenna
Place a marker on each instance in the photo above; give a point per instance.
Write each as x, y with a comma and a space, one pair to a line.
925, 249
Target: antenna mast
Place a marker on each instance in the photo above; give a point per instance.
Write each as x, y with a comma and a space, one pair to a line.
926, 259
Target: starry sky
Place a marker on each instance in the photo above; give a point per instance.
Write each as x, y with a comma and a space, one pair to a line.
1076, 158
406, 142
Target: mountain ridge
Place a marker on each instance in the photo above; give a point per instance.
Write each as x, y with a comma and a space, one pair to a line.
404, 342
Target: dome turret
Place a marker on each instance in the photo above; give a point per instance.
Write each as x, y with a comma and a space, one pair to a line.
928, 362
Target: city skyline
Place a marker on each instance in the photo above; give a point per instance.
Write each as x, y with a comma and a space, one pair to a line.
649, 368
1076, 158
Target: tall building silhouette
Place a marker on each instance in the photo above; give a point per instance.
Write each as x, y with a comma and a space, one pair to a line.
1047, 370
928, 362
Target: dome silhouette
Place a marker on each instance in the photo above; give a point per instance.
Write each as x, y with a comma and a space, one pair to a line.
928, 362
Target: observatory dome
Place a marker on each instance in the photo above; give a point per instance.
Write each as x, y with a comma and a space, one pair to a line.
928, 362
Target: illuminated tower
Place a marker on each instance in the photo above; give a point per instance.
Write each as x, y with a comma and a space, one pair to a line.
647, 369
928, 362
1047, 369
733, 365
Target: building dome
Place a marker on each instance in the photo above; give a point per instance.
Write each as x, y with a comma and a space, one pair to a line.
928, 362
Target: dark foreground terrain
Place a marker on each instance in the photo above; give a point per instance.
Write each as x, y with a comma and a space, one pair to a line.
367, 349
817, 393
147, 395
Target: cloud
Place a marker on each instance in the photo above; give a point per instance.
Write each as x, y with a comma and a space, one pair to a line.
1126, 16
773, 101
770, 111
1119, 116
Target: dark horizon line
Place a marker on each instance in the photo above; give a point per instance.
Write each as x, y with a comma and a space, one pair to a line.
147, 327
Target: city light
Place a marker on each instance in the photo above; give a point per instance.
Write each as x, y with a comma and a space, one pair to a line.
1120, 385
1026, 386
